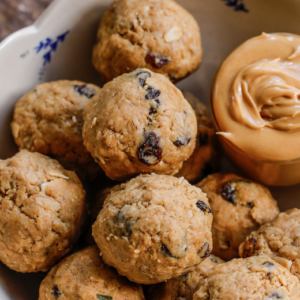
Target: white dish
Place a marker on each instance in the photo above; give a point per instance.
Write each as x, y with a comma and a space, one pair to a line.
223, 28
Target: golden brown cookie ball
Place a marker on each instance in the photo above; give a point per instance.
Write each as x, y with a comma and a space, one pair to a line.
154, 228
205, 158
49, 120
84, 276
41, 211
254, 278
278, 239
156, 34
139, 123
184, 286
239, 207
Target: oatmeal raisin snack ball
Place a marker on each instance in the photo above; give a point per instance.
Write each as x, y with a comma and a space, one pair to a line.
139, 123
239, 207
184, 286
254, 278
156, 227
156, 34
49, 120
42, 208
83, 276
278, 239
205, 158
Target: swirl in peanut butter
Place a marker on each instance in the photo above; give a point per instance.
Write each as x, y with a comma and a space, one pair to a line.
267, 94
256, 98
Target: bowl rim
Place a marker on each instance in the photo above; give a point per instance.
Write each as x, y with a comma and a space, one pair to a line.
33, 28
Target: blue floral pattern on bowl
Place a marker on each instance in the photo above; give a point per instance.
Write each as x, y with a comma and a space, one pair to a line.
50, 45
237, 4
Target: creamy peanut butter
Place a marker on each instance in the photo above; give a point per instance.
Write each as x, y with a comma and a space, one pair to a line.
256, 97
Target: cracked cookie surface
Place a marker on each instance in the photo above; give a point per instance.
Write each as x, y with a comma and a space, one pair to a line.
84, 275
254, 278
41, 211
158, 35
139, 123
154, 228
49, 120
205, 158
239, 207
278, 239
184, 286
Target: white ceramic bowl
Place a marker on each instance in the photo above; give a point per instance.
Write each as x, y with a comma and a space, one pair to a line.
66, 32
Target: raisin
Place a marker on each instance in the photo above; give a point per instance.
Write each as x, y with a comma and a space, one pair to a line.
120, 218
203, 138
228, 192
252, 241
157, 61
157, 102
203, 253
207, 253
173, 78
274, 296
150, 153
83, 90
152, 93
268, 264
166, 251
56, 292
250, 204
213, 259
185, 276
269, 275
143, 75
203, 206
152, 111
179, 143
126, 224
128, 227
250, 246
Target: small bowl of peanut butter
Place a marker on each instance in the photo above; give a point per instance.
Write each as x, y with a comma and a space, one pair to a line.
255, 105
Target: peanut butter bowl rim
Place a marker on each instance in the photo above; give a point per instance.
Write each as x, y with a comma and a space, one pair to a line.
265, 143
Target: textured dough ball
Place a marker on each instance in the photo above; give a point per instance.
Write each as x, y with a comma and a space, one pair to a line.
184, 286
139, 123
205, 158
254, 278
83, 276
49, 120
278, 239
154, 228
41, 211
159, 35
239, 207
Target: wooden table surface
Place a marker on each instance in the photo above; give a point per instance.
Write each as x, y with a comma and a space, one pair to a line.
16, 14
